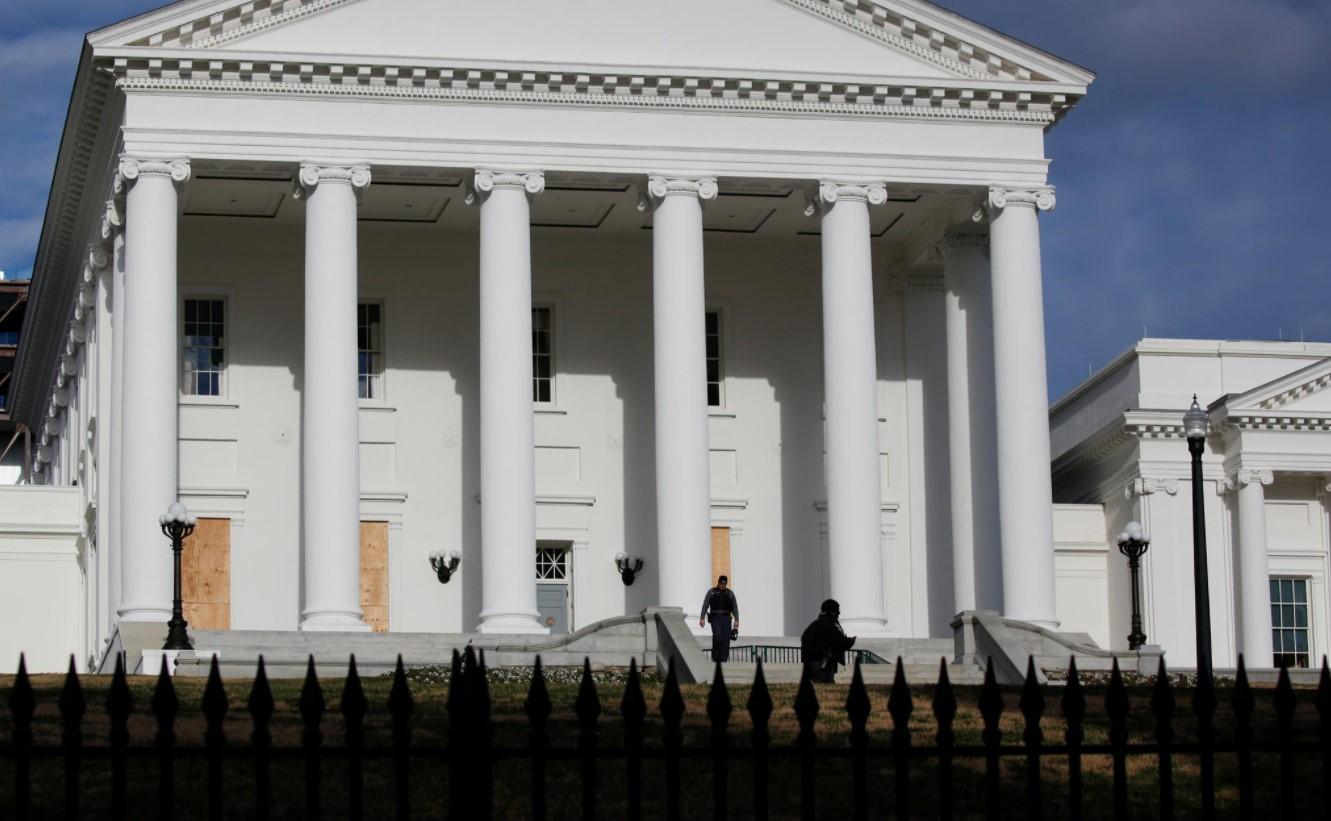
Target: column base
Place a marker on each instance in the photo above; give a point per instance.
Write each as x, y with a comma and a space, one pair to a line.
522, 622
867, 626
334, 622
144, 613
1048, 624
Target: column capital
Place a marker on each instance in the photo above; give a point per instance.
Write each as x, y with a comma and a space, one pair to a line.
312, 174
1251, 476
660, 186
955, 240
1142, 486
830, 192
485, 181
131, 168
1039, 198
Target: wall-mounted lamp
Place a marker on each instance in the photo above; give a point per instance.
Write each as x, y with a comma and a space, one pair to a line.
445, 564
629, 567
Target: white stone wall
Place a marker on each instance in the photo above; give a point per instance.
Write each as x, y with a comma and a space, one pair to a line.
42, 581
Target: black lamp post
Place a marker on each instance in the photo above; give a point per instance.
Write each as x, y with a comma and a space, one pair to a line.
1196, 424
177, 523
1132, 542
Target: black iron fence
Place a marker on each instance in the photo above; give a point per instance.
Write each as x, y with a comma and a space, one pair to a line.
900, 772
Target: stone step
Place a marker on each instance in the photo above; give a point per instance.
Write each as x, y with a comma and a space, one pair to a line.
738, 673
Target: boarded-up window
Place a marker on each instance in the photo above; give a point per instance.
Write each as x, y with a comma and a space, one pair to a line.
721, 555
205, 575
374, 574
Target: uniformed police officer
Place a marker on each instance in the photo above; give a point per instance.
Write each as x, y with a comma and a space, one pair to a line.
721, 608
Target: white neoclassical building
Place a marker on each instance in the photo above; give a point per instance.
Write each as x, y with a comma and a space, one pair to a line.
1118, 443
749, 286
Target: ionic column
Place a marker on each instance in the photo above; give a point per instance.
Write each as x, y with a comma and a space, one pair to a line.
850, 374
683, 489
151, 375
330, 414
977, 565
1021, 391
1254, 595
508, 469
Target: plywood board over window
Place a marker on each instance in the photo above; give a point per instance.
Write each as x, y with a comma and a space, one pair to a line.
721, 555
374, 574
205, 575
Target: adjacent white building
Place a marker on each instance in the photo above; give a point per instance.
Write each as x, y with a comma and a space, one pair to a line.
1118, 441
750, 286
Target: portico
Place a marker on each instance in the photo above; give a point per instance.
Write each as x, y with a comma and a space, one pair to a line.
517, 302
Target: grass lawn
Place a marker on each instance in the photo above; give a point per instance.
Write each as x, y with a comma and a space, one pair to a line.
430, 776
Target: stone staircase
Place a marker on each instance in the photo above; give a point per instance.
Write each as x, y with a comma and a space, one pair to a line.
742, 673
652, 639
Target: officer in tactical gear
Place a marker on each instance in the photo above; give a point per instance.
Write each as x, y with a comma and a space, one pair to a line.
721, 608
824, 643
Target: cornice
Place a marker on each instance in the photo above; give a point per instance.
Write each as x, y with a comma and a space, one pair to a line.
1038, 198
913, 37
1277, 421
942, 99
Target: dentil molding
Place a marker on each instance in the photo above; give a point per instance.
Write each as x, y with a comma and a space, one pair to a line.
831, 192
1038, 198
312, 174
486, 181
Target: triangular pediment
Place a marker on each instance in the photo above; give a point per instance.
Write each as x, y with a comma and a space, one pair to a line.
899, 39
1303, 391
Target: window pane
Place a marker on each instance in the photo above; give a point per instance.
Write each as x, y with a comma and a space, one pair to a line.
714, 396
1275, 615
1286, 590
1300, 617
1300, 590
1275, 590
1301, 637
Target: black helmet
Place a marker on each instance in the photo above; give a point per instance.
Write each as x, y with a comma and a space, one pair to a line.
831, 606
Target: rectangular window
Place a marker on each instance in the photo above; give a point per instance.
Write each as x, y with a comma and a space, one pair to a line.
542, 355
370, 342
204, 354
1290, 636
713, 329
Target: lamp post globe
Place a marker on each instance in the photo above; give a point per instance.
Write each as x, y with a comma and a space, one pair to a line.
1196, 426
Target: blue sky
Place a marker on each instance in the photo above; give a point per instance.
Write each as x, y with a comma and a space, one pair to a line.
1194, 181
